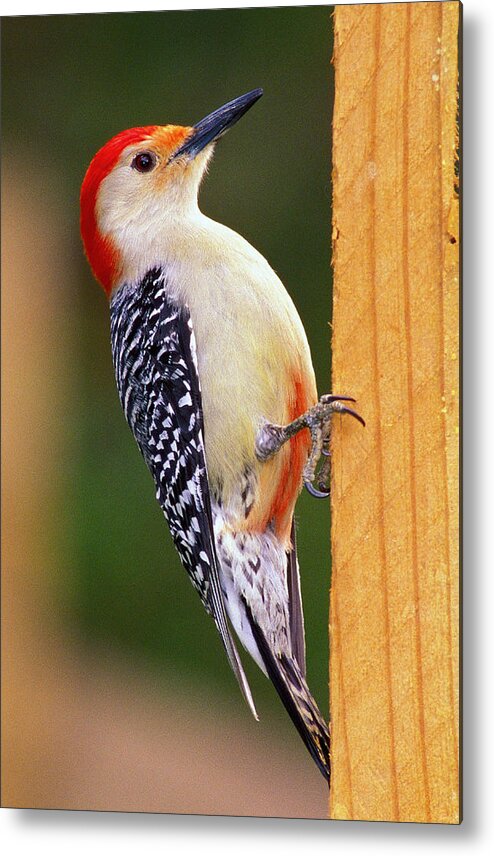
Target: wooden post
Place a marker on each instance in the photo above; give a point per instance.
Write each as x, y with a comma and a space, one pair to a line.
394, 615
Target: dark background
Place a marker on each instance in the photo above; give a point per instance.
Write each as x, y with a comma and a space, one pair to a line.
69, 84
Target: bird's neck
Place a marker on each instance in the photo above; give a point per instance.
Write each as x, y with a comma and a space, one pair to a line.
157, 241
185, 244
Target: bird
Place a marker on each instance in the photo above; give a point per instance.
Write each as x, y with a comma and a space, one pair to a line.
215, 377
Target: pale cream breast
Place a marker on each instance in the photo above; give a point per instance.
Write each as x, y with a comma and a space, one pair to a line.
250, 340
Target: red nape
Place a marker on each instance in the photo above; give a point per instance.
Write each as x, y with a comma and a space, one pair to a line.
101, 254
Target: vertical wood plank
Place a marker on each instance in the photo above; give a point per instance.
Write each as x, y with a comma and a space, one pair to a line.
394, 610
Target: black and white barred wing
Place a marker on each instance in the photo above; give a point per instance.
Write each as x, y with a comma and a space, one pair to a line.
164, 409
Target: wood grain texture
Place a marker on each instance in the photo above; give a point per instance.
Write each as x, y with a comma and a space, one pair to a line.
394, 613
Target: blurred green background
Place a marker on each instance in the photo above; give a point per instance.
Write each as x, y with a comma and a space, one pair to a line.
69, 84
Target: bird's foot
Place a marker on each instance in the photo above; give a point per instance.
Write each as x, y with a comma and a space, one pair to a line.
270, 438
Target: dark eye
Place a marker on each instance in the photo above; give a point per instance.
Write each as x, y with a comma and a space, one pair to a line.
144, 162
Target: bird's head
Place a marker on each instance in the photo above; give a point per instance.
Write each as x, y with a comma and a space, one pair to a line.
143, 178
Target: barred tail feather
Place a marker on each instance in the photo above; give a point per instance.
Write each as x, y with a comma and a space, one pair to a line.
291, 686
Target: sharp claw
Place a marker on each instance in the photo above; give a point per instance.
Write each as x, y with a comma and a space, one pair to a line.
331, 398
352, 413
319, 494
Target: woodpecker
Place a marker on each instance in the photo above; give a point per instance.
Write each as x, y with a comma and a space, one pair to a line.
215, 378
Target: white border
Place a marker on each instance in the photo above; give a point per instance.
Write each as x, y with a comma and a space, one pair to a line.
53, 833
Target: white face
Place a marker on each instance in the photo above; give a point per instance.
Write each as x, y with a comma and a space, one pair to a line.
136, 207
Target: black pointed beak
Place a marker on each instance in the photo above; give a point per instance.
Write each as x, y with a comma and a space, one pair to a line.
213, 127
